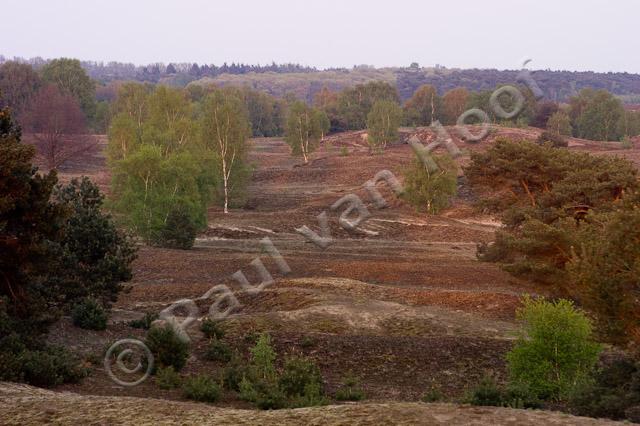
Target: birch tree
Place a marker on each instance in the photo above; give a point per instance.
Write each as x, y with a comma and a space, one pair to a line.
225, 130
382, 123
304, 130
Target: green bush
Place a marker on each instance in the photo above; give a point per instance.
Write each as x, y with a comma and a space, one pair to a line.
167, 348
265, 394
311, 396
89, 314
626, 143
218, 351
554, 351
233, 373
48, 367
168, 378
432, 395
201, 388
486, 393
212, 329
179, 231
298, 374
144, 322
614, 390
350, 390
431, 191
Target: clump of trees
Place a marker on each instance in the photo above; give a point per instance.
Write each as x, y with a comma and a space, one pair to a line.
171, 156
57, 249
565, 215
304, 129
354, 104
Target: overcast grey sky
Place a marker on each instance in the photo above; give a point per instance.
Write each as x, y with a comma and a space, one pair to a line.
594, 35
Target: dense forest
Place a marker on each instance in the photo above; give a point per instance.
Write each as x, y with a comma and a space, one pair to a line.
304, 82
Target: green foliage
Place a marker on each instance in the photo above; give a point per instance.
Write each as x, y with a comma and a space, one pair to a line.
614, 390
162, 172
233, 373
559, 123
41, 366
382, 123
596, 115
95, 257
167, 347
179, 230
431, 191
486, 393
168, 378
224, 130
201, 388
298, 374
555, 351
432, 395
71, 78
144, 322
218, 351
299, 385
89, 314
304, 128
355, 103
350, 389
626, 143
604, 270
212, 329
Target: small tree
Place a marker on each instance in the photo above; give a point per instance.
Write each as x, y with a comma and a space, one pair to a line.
225, 130
305, 127
431, 191
423, 107
555, 351
383, 122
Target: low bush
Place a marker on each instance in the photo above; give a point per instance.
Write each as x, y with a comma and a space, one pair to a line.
556, 140
144, 322
350, 390
485, 393
432, 395
212, 329
168, 378
612, 393
299, 373
167, 347
47, 367
179, 231
202, 389
233, 373
218, 351
89, 314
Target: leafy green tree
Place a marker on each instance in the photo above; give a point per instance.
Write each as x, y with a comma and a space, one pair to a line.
71, 78
559, 123
225, 131
382, 124
304, 129
423, 107
596, 115
555, 351
18, 84
431, 191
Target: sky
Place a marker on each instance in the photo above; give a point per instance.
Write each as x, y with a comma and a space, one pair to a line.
580, 35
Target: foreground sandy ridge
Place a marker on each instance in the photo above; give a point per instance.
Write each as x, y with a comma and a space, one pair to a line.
27, 405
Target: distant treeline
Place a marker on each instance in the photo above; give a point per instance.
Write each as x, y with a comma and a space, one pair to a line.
558, 86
